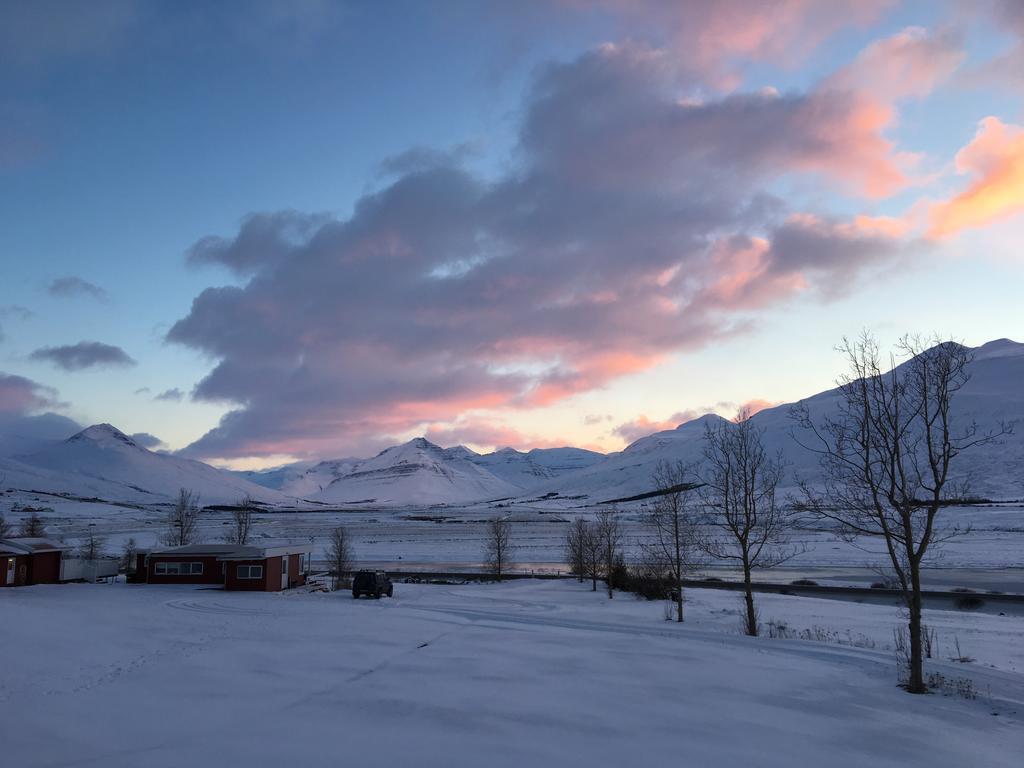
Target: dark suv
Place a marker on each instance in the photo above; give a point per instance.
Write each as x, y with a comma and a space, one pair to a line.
372, 583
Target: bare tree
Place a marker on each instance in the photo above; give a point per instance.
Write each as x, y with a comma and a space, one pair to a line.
129, 556
498, 546
241, 521
91, 547
339, 554
593, 553
33, 526
674, 547
750, 526
182, 519
608, 536
5, 528
576, 548
887, 457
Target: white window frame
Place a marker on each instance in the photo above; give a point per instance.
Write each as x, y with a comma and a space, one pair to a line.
180, 568
252, 572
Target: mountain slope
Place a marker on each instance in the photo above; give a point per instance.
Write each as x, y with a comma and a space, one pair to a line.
531, 469
104, 462
417, 472
993, 395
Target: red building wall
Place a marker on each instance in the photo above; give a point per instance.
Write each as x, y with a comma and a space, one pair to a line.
44, 568
271, 581
20, 570
271, 576
36, 568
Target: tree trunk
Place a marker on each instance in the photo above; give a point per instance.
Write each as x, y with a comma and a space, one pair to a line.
915, 680
593, 581
679, 599
749, 598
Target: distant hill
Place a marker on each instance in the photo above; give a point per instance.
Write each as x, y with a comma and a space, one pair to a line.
101, 461
994, 394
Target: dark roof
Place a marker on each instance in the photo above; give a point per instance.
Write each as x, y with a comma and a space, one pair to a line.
230, 551
31, 545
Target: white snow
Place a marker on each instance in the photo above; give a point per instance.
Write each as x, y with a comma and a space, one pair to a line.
525, 673
101, 461
416, 472
994, 396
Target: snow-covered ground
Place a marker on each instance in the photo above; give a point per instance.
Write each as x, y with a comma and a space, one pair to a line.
453, 537
524, 673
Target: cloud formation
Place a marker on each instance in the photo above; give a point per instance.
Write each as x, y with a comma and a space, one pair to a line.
73, 287
632, 225
84, 354
715, 41
146, 440
19, 395
171, 395
994, 162
641, 426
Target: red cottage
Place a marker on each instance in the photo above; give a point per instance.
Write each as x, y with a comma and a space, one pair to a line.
26, 560
264, 569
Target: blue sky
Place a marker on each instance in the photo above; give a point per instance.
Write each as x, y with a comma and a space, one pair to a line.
134, 130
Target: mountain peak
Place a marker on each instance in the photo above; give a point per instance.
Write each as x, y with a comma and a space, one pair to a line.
999, 348
104, 433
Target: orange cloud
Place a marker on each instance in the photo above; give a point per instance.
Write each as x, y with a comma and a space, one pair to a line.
753, 406
995, 160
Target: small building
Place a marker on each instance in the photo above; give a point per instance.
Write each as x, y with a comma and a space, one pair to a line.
28, 560
236, 567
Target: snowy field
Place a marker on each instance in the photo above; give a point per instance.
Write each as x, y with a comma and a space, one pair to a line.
991, 556
524, 673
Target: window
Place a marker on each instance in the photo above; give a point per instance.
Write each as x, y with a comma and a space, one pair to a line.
250, 571
178, 569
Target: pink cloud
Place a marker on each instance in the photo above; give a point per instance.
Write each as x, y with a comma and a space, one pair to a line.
994, 160
754, 406
19, 395
488, 436
631, 431
632, 226
712, 40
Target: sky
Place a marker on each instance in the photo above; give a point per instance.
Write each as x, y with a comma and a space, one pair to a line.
257, 232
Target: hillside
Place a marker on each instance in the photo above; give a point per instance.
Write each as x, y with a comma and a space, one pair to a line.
416, 472
101, 461
993, 395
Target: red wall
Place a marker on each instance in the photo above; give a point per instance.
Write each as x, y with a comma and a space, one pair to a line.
271, 581
37, 568
44, 568
271, 576
20, 562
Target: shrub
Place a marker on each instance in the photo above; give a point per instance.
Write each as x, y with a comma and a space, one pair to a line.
968, 603
804, 583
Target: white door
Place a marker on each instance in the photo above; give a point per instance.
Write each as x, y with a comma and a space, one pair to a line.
10, 571
284, 572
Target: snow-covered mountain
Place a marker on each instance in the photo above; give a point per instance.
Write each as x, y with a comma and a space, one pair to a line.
416, 472
994, 395
103, 462
533, 468
420, 472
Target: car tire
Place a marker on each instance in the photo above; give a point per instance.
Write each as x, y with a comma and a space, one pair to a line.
355, 595
391, 593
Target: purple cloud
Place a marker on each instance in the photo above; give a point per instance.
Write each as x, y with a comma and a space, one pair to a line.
73, 287
146, 440
84, 354
19, 395
171, 395
633, 224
